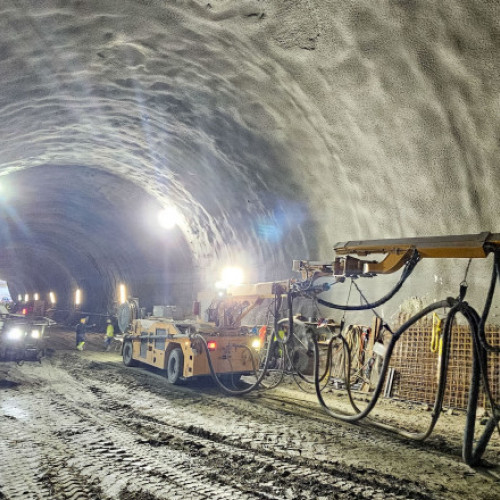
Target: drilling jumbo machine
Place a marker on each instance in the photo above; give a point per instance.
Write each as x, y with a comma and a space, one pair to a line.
220, 347
405, 253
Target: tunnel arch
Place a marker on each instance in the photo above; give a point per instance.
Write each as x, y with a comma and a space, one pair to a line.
68, 227
276, 128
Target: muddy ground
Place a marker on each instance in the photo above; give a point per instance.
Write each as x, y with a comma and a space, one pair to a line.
81, 425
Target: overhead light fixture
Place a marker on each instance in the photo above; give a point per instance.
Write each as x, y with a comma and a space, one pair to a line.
52, 297
231, 276
122, 294
36, 296
78, 297
168, 217
26, 297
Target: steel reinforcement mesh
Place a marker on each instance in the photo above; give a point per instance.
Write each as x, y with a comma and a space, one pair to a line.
416, 365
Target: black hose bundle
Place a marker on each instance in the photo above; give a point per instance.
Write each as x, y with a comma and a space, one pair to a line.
360, 414
408, 269
471, 454
216, 378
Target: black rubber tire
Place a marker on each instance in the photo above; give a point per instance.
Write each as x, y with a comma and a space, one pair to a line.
175, 366
128, 360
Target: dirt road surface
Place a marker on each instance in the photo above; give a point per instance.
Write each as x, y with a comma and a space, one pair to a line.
81, 425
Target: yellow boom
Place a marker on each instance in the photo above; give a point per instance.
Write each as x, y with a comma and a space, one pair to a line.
398, 251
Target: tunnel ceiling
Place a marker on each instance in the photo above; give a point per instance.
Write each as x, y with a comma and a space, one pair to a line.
275, 128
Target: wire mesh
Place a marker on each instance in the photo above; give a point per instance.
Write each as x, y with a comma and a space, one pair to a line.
417, 366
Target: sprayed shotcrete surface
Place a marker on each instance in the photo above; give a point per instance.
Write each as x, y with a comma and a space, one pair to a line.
81, 425
276, 128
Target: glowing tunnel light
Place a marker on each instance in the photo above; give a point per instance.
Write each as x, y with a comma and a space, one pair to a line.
78, 297
26, 297
169, 217
122, 293
52, 297
36, 296
231, 276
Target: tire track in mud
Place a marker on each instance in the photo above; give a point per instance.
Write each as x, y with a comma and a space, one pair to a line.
112, 432
270, 456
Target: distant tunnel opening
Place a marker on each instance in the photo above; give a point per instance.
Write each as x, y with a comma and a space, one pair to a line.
77, 227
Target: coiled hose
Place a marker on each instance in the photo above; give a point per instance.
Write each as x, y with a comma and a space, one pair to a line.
223, 387
471, 454
360, 414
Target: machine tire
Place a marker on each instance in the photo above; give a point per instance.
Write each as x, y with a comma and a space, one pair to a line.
128, 360
175, 366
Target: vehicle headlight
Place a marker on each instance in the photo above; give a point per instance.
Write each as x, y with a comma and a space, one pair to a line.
35, 334
256, 344
15, 334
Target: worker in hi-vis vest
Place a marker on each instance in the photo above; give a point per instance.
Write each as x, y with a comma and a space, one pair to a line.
110, 333
81, 330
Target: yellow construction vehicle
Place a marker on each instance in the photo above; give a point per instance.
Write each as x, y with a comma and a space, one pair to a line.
191, 347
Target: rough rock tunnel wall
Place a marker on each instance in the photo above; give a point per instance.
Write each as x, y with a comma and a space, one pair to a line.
275, 129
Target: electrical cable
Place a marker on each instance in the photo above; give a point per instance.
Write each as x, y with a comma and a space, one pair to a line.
408, 269
223, 387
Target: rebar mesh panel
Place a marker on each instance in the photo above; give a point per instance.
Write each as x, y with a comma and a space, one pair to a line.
417, 366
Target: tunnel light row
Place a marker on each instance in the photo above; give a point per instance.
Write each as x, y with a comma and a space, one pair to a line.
230, 276
36, 296
122, 296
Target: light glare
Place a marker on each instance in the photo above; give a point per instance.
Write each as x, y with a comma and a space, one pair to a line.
78, 297
256, 344
232, 276
123, 293
168, 218
15, 334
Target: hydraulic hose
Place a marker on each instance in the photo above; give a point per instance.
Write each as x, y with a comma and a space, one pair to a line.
470, 454
409, 267
298, 375
487, 305
224, 388
449, 302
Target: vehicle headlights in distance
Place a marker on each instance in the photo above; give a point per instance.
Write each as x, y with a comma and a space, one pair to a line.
35, 334
15, 334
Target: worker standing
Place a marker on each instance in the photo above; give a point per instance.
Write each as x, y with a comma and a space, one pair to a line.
110, 333
81, 330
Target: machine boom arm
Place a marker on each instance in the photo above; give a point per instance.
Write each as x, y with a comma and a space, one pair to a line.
398, 251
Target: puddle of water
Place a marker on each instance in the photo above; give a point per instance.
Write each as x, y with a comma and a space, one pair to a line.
10, 408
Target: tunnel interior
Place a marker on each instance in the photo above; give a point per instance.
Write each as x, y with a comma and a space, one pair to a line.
76, 228
274, 129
